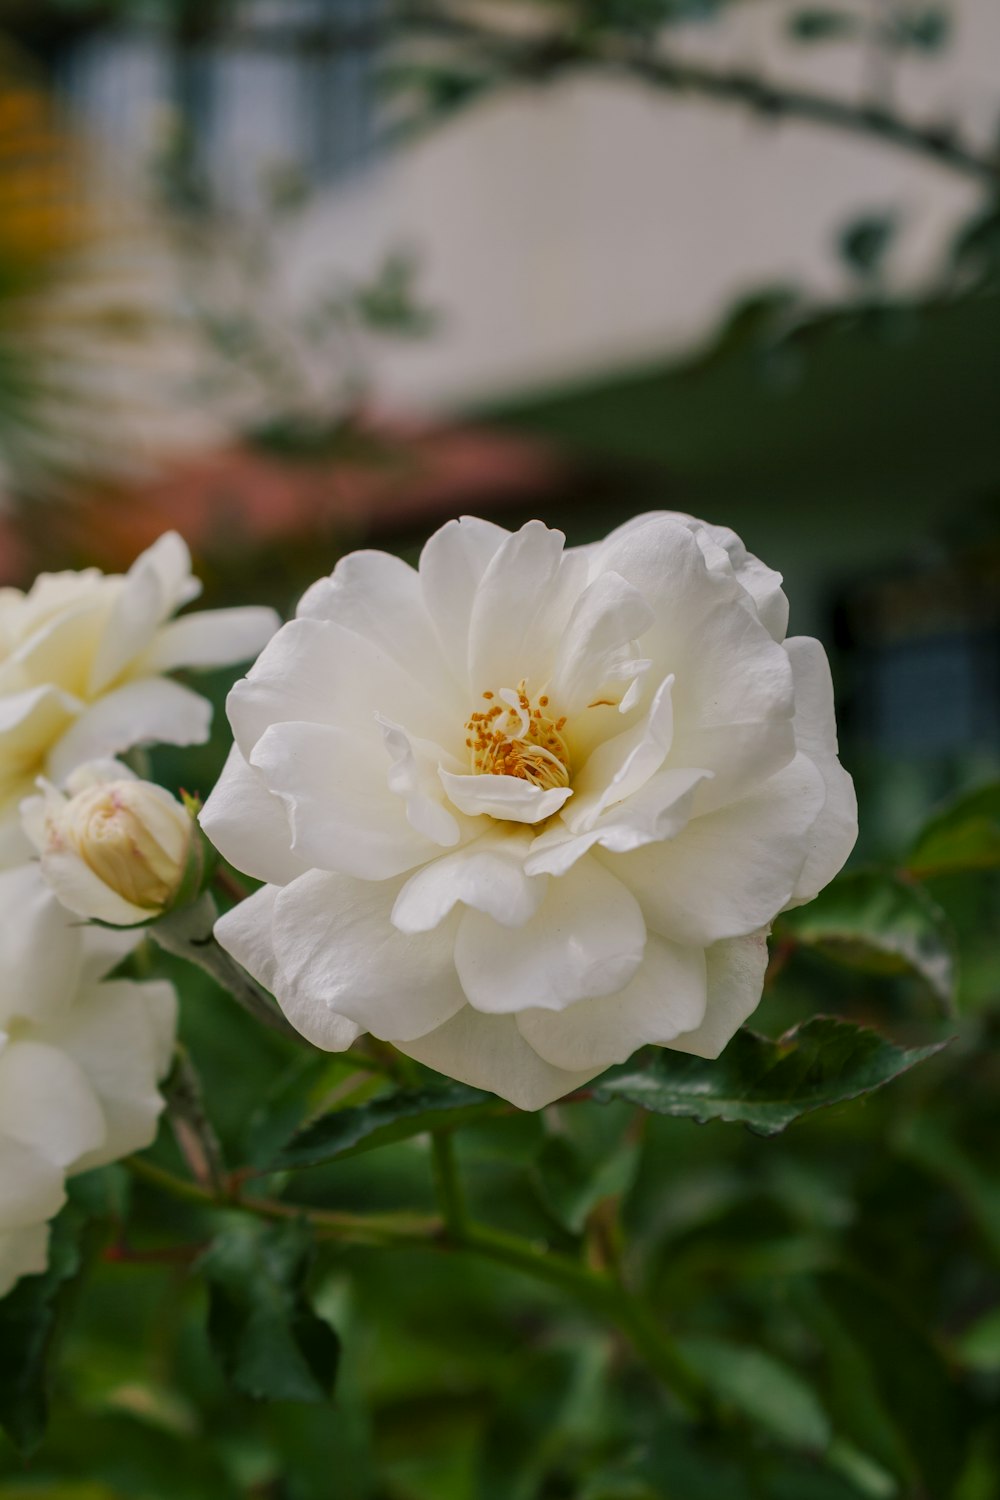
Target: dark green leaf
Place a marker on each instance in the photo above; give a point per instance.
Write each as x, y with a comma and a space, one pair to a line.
821, 25
963, 836
766, 1084
979, 1346
763, 1389
924, 30
390, 1117
570, 1187
29, 1317
880, 924
265, 1334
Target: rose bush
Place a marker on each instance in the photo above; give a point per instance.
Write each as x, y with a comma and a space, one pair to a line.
527, 808
82, 663
80, 1056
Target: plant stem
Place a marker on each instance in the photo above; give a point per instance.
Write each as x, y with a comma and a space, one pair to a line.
447, 1185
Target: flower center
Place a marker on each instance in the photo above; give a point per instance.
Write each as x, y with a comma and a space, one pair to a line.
512, 736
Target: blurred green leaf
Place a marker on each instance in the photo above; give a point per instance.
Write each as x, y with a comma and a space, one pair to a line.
924, 30
762, 1083
963, 836
822, 25
979, 1346
269, 1341
928, 1143
571, 1187
880, 924
763, 1389
865, 242
389, 1118
29, 1317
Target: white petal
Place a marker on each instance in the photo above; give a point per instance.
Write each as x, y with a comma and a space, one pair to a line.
488, 1052
597, 651
338, 954
116, 1034
508, 797
156, 584
488, 875
103, 949
452, 565
318, 672
81, 891
30, 723
23, 1252
60, 652
522, 608
46, 1101
413, 775
658, 811
735, 972
835, 831
731, 871
249, 825
666, 997
208, 638
586, 939
40, 948
342, 814
31, 1185
380, 597
152, 711
622, 764
247, 934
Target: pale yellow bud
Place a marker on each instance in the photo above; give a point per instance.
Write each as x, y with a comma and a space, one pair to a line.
132, 835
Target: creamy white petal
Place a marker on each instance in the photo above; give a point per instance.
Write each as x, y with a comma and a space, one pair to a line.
729, 872
61, 651
735, 971
47, 1101
380, 597
153, 588
152, 711
835, 831
31, 1185
507, 797
658, 811
249, 825
666, 997
521, 609
103, 949
30, 723
40, 948
247, 934
452, 565
413, 776
621, 765
342, 815
81, 891
339, 955
115, 1033
23, 1252
586, 939
208, 638
488, 875
597, 654
488, 1052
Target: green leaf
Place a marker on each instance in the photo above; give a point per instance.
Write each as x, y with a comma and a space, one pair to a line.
763, 1389
963, 836
265, 1334
880, 924
29, 1318
762, 1083
979, 1346
923, 1141
389, 1118
821, 25
570, 1187
865, 242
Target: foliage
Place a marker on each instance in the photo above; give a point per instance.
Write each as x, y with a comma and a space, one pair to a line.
597, 1301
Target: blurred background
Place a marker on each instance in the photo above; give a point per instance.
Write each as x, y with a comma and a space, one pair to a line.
295, 276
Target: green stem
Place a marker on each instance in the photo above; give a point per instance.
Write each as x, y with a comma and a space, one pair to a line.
447, 1185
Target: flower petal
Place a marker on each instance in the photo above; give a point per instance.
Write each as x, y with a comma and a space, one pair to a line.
835, 831
342, 815
597, 655
413, 775
30, 722
488, 1052
207, 638
507, 797
46, 1101
247, 934
157, 583
622, 764
586, 939
735, 972
488, 875
31, 1185
81, 891
40, 948
23, 1252
729, 872
338, 955
658, 811
666, 997
249, 825
152, 711
452, 565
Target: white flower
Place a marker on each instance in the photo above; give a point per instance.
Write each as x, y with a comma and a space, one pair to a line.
528, 808
82, 658
113, 847
80, 1056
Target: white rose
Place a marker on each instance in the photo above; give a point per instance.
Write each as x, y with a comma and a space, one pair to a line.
80, 1056
82, 658
528, 808
113, 847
